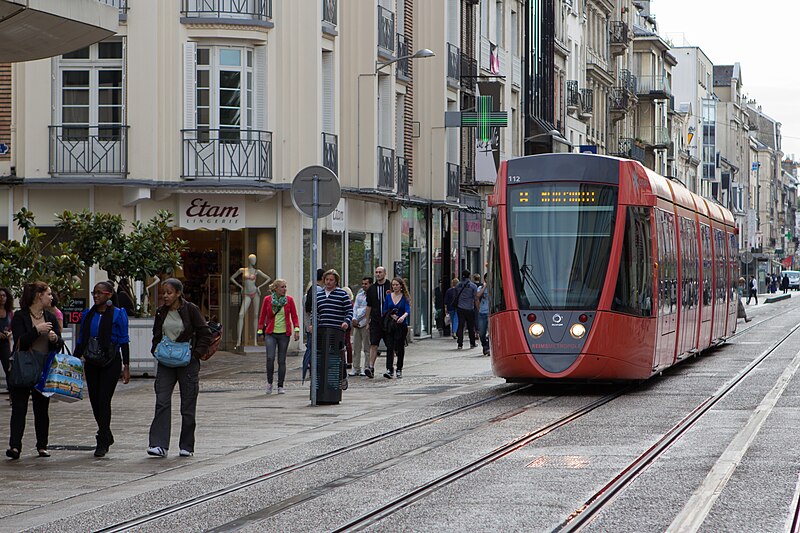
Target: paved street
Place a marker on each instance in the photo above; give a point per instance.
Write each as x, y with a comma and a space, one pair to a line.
291, 467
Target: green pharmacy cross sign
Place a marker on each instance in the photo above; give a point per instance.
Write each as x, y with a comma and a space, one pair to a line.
483, 118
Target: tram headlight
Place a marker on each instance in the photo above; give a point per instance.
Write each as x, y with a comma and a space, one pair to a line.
536, 330
577, 331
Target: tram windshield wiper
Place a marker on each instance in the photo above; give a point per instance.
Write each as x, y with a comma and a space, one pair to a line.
530, 280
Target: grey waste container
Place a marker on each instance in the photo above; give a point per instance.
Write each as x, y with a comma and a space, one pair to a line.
330, 366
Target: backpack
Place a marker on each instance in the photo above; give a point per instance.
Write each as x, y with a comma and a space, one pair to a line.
216, 338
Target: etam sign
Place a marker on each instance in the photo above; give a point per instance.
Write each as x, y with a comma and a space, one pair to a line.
212, 211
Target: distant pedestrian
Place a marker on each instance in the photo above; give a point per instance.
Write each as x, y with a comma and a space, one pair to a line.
450, 306
785, 283
752, 289
438, 306
108, 327
466, 292
35, 329
6, 314
360, 329
54, 308
396, 311
180, 321
277, 322
483, 314
375, 296
348, 340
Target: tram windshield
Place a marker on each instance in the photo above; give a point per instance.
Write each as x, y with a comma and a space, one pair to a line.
560, 243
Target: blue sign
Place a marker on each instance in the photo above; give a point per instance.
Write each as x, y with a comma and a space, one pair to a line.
587, 149
4, 149
756, 165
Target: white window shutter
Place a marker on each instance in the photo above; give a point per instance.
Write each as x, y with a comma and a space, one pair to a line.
189, 85
260, 75
328, 94
453, 25
385, 114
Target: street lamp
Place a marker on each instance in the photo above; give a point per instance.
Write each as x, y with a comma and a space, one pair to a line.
551, 133
421, 53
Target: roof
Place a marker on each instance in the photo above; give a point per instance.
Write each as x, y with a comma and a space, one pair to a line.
723, 74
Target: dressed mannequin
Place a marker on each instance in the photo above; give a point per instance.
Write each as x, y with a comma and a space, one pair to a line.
251, 291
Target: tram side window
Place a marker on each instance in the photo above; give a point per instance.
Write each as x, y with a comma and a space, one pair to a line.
497, 300
633, 294
705, 235
733, 265
721, 249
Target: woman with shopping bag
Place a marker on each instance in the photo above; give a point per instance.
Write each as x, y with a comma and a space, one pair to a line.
36, 333
103, 343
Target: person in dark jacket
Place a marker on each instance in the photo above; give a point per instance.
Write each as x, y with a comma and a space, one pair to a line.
6, 314
396, 311
109, 326
785, 283
34, 328
180, 321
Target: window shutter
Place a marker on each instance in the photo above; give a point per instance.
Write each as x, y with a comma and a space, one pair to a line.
189, 85
260, 75
328, 101
453, 25
385, 115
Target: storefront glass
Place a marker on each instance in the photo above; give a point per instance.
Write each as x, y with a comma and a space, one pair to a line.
363, 255
414, 249
332, 252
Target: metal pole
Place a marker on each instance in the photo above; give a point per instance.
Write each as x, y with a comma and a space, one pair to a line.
315, 207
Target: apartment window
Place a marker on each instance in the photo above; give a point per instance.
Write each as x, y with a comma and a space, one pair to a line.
709, 138
91, 92
499, 23
225, 97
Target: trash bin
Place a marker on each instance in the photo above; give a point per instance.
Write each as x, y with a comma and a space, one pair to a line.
330, 366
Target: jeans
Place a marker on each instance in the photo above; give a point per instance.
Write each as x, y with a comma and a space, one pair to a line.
188, 379
19, 410
466, 318
276, 343
101, 382
453, 321
483, 330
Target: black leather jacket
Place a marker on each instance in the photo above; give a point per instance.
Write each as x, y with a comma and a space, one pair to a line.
195, 328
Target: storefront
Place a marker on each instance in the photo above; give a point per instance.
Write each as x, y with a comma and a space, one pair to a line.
414, 248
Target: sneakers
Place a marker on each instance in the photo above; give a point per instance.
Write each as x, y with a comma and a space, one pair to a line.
460, 347
399, 373
389, 374
281, 390
354, 372
157, 451
369, 372
269, 388
186, 453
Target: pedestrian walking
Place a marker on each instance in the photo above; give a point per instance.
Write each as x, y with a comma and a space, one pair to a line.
451, 308
308, 304
181, 322
277, 322
785, 284
396, 311
348, 344
438, 305
36, 329
752, 292
483, 314
375, 297
334, 312
465, 299
360, 330
6, 314
105, 327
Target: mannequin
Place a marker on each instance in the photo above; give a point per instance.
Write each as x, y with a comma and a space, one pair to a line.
251, 290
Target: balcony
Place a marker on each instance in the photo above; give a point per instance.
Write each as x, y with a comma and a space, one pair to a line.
628, 149
653, 87
453, 175
330, 152
402, 176
469, 72
249, 10
573, 96
453, 65
620, 37
227, 154
385, 30
619, 102
403, 50
385, 168
89, 151
587, 101
329, 12
656, 138
627, 80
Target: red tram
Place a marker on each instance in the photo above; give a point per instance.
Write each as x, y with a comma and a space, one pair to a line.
604, 270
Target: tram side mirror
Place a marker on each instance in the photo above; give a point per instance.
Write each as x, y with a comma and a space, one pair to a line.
490, 200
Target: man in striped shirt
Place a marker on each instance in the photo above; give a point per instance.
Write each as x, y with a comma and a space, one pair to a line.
334, 307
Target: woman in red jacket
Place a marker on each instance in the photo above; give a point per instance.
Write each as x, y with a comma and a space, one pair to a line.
277, 321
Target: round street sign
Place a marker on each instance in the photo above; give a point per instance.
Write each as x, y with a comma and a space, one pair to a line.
747, 258
328, 194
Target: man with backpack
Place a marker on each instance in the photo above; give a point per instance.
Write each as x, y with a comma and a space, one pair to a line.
466, 301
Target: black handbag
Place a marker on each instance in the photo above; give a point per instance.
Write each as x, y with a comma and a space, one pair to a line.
94, 354
26, 368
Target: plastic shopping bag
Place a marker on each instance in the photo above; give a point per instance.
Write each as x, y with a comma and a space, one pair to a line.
64, 379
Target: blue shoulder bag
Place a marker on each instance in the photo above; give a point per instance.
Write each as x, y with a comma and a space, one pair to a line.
173, 354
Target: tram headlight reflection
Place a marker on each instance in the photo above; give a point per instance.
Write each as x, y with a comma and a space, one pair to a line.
577, 331
536, 330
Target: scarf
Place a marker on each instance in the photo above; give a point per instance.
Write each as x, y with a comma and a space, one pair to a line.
277, 303
104, 331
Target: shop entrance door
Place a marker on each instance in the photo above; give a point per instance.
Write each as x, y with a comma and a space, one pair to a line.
418, 279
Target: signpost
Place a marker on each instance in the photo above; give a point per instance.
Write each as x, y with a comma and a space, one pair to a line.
308, 187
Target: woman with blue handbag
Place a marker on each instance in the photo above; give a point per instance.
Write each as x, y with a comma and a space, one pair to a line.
104, 345
180, 337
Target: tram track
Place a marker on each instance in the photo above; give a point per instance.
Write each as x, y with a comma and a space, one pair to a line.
163, 512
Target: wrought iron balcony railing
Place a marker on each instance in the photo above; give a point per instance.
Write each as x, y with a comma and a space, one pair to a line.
222, 9
619, 33
89, 150
627, 80
385, 168
386, 29
453, 62
330, 152
468, 72
573, 94
403, 50
227, 153
329, 11
453, 176
587, 98
402, 176
628, 148
618, 99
